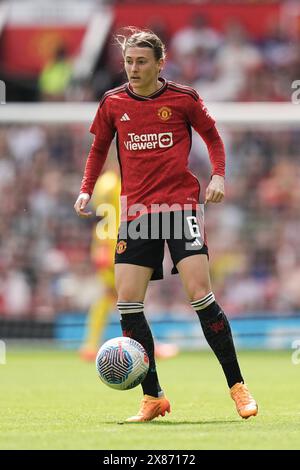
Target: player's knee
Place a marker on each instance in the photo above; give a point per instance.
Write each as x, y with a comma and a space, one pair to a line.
129, 295
197, 292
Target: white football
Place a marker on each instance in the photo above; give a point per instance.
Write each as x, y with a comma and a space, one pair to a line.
122, 363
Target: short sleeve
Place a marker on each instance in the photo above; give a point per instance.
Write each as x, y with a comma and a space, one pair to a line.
102, 125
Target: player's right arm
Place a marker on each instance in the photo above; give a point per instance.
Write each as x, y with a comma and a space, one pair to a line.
104, 130
81, 203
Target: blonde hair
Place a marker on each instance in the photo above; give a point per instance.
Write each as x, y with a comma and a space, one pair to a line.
135, 37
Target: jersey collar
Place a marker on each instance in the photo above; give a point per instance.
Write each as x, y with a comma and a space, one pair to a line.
157, 93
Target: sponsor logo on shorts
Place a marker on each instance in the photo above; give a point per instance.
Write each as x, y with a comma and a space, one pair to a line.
121, 247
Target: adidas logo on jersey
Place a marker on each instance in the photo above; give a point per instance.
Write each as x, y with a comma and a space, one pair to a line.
125, 117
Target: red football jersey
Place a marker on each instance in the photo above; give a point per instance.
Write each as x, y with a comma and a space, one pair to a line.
153, 138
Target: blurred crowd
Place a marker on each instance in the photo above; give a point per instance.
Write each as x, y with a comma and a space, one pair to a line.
254, 244
226, 65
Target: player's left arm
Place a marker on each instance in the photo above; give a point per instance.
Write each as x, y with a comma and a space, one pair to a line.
204, 124
215, 191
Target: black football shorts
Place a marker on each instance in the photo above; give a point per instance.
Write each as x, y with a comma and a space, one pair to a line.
142, 240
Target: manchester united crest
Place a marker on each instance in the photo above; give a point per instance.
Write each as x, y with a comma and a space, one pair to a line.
164, 113
121, 247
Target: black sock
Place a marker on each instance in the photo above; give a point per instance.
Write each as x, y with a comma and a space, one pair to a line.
135, 326
218, 334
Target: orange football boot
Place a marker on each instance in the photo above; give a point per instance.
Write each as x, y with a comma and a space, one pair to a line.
151, 408
165, 350
87, 354
245, 404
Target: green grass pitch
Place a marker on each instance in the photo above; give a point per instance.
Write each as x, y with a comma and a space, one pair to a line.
51, 400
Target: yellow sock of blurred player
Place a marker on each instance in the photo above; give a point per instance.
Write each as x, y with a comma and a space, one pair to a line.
97, 319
